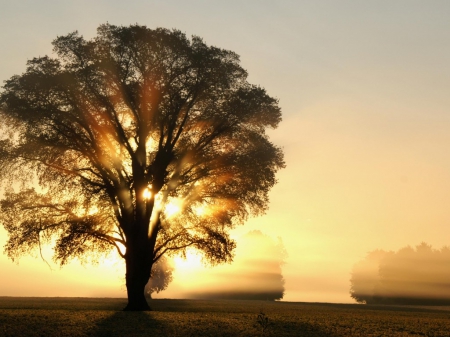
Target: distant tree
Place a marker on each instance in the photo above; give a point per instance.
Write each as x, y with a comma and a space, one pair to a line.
256, 271
409, 276
160, 277
364, 280
138, 139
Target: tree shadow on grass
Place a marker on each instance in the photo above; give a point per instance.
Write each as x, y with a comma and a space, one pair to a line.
132, 323
136, 324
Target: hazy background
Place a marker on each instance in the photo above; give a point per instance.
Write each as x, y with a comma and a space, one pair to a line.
364, 90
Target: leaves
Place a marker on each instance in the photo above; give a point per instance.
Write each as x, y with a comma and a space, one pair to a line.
130, 113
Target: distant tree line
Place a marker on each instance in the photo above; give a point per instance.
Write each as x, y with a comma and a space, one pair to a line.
419, 276
256, 273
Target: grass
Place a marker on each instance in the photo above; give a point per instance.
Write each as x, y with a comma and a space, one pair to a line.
103, 317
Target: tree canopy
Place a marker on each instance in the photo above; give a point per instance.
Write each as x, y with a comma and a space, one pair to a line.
138, 139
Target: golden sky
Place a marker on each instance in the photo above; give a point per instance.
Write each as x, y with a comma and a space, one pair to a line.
363, 86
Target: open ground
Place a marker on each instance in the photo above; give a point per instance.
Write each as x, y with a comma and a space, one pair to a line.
103, 317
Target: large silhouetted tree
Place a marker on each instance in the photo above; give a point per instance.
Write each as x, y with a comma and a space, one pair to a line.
138, 139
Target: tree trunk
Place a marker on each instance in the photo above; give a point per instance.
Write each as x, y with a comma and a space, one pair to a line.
139, 257
136, 299
137, 276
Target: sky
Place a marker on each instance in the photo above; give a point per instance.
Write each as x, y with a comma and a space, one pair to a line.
363, 88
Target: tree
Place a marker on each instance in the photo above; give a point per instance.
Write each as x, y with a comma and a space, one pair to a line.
256, 272
364, 282
417, 276
160, 277
138, 139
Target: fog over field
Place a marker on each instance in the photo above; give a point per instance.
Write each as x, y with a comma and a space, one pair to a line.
255, 273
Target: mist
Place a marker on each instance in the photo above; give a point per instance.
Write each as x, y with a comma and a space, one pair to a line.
255, 273
419, 275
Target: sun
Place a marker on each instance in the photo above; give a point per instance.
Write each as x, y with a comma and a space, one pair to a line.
192, 262
173, 207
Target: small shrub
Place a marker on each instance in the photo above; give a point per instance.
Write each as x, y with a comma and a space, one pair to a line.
263, 321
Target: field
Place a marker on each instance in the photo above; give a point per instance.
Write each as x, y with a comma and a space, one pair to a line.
103, 317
